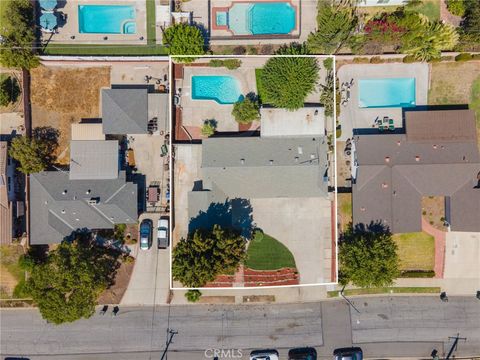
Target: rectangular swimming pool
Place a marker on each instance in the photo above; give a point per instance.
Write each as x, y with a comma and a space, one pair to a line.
223, 89
261, 18
106, 19
389, 92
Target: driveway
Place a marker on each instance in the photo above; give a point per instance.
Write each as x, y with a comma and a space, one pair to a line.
150, 281
304, 226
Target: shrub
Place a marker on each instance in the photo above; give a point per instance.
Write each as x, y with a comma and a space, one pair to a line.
193, 295
328, 63
215, 63
184, 39
463, 57
239, 50
252, 50
245, 111
408, 59
286, 82
230, 64
417, 274
33, 155
361, 60
293, 49
9, 90
456, 7
21, 290
208, 128
376, 60
476, 57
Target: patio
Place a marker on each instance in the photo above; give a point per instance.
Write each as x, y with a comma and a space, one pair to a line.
371, 120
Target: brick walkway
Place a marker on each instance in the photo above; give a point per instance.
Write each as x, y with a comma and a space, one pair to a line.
440, 243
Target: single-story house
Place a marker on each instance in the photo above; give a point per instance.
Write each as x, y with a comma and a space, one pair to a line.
436, 156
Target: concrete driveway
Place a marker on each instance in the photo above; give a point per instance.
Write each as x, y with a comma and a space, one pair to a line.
304, 226
150, 281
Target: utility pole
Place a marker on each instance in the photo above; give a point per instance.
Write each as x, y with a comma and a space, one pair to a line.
454, 345
172, 333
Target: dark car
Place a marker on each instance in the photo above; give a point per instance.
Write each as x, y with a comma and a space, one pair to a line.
306, 353
146, 234
352, 353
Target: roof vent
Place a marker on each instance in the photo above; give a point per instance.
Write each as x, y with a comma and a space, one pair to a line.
88, 191
92, 201
387, 159
384, 185
64, 192
362, 208
46, 202
271, 162
417, 158
296, 159
242, 161
300, 150
74, 197
312, 156
399, 143
77, 219
63, 211
434, 146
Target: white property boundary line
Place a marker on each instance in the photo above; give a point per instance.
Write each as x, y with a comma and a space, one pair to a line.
335, 224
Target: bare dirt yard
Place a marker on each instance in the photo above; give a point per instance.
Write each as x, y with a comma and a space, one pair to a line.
433, 210
63, 96
114, 294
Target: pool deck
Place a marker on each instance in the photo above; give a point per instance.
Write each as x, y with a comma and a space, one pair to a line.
70, 28
353, 117
305, 21
195, 112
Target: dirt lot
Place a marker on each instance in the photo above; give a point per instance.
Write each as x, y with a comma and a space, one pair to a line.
433, 210
10, 272
114, 294
62, 96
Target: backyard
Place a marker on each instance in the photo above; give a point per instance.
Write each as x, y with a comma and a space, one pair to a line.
10, 271
429, 8
266, 253
416, 251
63, 96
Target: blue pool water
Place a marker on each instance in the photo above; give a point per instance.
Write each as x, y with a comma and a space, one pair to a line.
106, 19
262, 18
222, 89
222, 18
391, 92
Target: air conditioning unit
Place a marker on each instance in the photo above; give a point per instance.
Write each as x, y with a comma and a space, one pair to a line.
92, 201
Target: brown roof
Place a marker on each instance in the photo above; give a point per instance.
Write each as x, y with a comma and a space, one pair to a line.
441, 125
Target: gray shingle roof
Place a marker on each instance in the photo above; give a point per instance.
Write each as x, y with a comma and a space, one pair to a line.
93, 159
124, 111
59, 205
394, 173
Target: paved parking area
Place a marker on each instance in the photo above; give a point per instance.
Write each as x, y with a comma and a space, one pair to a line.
304, 226
462, 256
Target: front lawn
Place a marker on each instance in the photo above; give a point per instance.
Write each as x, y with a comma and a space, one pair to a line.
345, 207
267, 253
105, 50
416, 251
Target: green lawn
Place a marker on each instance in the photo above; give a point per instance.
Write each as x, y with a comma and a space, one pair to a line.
429, 8
151, 36
386, 290
258, 75
475, 99
345, 207
267, 253
100, 50
416, 251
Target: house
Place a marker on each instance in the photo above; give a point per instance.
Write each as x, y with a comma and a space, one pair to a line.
6, 195
436, 156
133, 111
260, 167
94, 194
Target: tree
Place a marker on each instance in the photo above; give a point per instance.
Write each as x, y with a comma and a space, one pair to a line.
326, 95
205, 254
32, 154
335, 24
368, 257
209, 127
293, 49
193, 295
471, 21
66, 286
184, 39
286, 81
246, 110
17, 33
9, 90
456, 7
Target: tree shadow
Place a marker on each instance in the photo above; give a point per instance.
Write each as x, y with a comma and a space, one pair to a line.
234, 214
373, 228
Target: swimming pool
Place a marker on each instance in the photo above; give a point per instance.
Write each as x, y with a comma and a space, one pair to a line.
106, 19
223, 89
262, 18
389, 92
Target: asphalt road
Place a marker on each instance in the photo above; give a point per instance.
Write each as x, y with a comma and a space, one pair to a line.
385, 327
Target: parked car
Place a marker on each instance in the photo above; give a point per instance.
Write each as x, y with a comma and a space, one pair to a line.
162, 232
146, 234
352, 353
264, 355
306, 353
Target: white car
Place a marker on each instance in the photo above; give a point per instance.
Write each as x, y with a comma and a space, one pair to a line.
162, 232
264, 355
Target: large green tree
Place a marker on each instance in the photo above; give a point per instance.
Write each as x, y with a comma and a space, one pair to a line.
9, 90
286, 81
66, 286
32, 154
368, 257
205, 254
246, 110
335, 24
18, 36
184, 39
